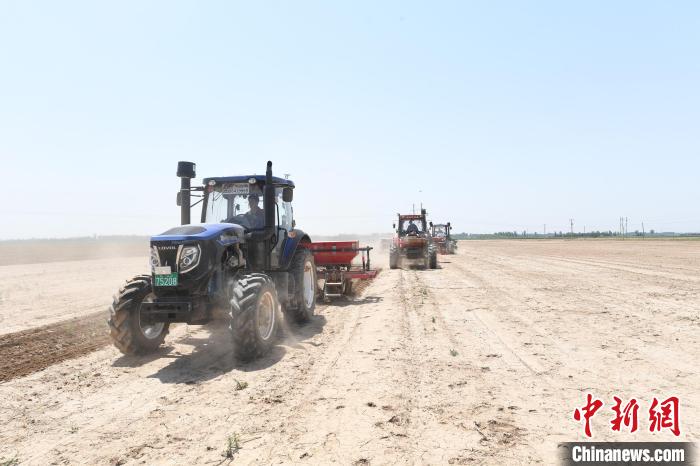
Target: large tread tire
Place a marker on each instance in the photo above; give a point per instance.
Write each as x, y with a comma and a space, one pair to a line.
125, 320
301, 310
246, 298
393, 258
433, 260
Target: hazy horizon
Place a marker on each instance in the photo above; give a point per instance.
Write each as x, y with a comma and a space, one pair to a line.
497, 117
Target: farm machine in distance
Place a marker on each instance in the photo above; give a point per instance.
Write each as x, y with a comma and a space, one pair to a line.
442, 238
412, 244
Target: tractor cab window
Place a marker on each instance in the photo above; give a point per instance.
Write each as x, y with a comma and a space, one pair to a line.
439, 230
417, 228
238, 203
284, 211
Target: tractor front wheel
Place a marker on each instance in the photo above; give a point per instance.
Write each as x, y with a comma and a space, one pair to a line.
253, 316
127, 330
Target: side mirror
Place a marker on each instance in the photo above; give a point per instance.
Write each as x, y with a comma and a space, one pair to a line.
431, 224
393, 225
287, 194
178, 199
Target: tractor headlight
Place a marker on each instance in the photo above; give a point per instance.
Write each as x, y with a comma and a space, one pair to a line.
189, 258
155, 259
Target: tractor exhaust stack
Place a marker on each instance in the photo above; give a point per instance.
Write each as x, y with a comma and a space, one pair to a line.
269, 206
185, 171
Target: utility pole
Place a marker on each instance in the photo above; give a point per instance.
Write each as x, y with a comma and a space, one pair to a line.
622, 229
571, 221
643, 232
545, 229
626, 227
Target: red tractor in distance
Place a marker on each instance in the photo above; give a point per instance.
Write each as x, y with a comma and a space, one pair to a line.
412, 244
442, 238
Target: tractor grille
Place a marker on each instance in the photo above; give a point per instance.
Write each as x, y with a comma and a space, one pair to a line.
168, 256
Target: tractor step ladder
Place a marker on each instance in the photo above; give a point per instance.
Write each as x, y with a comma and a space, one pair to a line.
340, 289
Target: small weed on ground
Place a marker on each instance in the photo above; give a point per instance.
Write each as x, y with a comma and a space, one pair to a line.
241, 385
232, 446
11, 462
453, 352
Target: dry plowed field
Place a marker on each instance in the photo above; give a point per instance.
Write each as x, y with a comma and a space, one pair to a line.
481, 361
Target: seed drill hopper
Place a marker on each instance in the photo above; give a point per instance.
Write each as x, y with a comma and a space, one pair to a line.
334, 265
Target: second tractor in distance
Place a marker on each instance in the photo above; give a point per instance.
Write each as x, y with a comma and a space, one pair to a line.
412, 244
442, 238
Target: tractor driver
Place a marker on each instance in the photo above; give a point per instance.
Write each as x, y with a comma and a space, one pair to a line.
256, 215
412, 228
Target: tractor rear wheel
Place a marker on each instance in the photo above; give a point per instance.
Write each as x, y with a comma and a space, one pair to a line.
393, 258
129, 333
253, 316
433, 260
303, 270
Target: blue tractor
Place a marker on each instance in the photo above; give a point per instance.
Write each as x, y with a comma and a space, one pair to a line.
246, 260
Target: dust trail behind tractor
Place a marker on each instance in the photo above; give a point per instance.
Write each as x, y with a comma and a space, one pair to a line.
334, 265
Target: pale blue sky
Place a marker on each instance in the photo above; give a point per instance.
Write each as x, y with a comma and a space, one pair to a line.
497, 115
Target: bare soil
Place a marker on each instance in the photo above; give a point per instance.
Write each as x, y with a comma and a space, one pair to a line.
38, 294
481, 361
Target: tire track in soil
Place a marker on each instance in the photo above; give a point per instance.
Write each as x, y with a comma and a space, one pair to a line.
303, 390
476, 402
326, 395
542, 366
449, 419
571, 360
414, 376
568, 363
28, 351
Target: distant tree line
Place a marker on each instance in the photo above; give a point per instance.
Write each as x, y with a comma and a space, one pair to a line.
560, 234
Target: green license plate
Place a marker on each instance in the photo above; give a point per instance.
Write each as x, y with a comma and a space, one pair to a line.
167, 280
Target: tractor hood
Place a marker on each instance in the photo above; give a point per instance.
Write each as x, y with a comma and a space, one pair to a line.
202, 231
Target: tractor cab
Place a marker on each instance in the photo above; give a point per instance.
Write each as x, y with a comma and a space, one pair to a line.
412, 225
241, 200
440, 230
